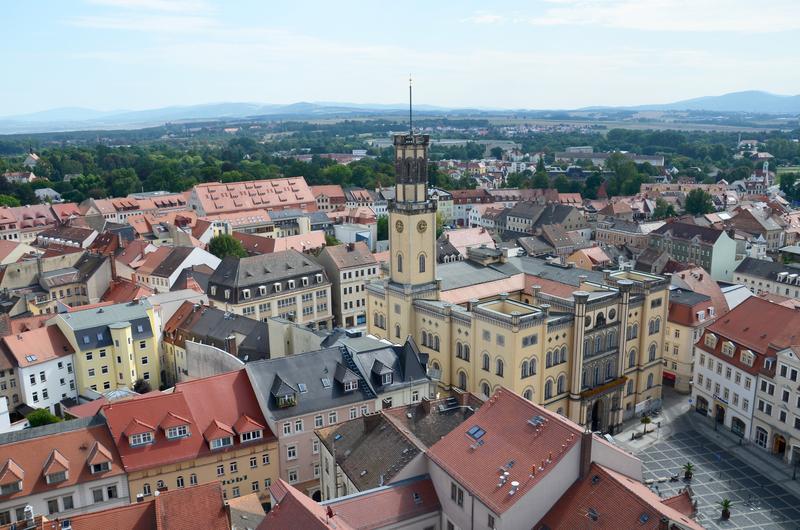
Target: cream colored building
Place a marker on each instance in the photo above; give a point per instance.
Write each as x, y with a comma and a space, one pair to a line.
587, 344
689, 314
350, 267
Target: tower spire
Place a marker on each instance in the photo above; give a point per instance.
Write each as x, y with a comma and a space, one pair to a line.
410, 119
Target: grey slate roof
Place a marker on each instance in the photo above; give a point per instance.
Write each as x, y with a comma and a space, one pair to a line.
687, 297
214, 325
264, 268
688, 231
543, 269
91, 325
768, 270
459, 274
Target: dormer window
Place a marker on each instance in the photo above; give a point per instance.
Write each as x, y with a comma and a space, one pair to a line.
701, 315
386, 379
227, 293
287, 400
305, 280
249, 436
135, 440
277, 287
220, 443
245, 293
101, 467
747, 357
728, 348
262, 290
711, 340
291, 284
350, 386
319, 278
213, 290
13, 487
179, 431
55, 478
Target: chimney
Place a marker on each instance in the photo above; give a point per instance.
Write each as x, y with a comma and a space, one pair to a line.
230, 345
586, 453
371, 421
351, 247
39, 266
113, 266
426, 405
700, 277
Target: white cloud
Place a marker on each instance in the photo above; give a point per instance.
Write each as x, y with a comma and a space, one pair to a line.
145, 23
741, 16
482, 17
173, 6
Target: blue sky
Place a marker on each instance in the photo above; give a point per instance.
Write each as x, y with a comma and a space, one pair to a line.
136, 54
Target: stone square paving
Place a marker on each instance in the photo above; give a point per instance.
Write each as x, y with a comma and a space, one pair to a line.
758, 502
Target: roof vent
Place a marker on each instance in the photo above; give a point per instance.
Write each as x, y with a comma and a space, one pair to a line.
644, 518
595, 480
514, 488
592, 514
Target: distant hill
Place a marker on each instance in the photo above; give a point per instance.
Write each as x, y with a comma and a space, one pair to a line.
77, 119
748, 101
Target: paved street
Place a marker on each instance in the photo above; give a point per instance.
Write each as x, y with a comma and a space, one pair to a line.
762, 492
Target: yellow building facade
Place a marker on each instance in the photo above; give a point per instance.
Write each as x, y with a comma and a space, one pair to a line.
587, 344
115, 345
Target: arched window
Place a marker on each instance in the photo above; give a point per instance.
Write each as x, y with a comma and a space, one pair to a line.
462, 380
562, 384
485, 361
650, 381
549, 360
499, 367
609, 371
179, 481
528, 394
159, 484
658, 324
598, 343
422, 263
587, 347
585, 379
631, 358
424, 338
600, 320
596, 375
486, 390
193, 480
466, 352
635, 331
399, 263
146, 489
459, 350
611, 340
630, 387
524, 371
436, 342
563, 354
652, 352
397, 330
435, 367
548, 389
532, 367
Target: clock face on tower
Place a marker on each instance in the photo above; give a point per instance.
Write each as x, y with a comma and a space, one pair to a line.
422, 226
399, 226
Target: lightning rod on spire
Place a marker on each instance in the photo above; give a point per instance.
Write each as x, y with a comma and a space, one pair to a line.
410, 119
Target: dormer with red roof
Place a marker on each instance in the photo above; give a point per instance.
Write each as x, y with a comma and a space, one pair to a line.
56, 469
248, 429
175, 426
11, 477
139, 433
218, 435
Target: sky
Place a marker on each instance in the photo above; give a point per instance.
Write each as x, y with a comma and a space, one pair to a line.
536, 54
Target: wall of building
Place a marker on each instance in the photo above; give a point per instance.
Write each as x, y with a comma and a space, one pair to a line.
204, 360
55, 372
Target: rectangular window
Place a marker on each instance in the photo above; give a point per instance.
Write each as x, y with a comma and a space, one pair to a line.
97, 495
67, 502
220, 470
315, 446
265, 459
291, 452
254, 486
332, 418
102, 467
250, 436
292, 475
219, 443
298, 425
52, 506
235, 491
287, 428
177, 432
140, 439
353, 413
234, 467
253, 462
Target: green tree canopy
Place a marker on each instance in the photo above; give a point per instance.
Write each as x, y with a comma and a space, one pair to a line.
41, 417
225, 245
698, 202
8, 200
383, 228
663, 209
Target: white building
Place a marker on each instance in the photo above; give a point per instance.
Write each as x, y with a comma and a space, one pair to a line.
44, 364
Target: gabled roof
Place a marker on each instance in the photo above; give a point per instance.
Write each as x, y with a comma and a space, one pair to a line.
247, 424
344, 374
686, 231
281, 387
99, 454
37, 346
11, 473
507, 427
173, 420
345, 256
610, 500
137, 426
216, 430
292, 510
56, 462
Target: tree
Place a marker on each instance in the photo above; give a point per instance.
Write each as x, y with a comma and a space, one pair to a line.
8, 200
122, 182
383, 228
663, 209
331, 241
561, 183
726, 505
42, 417
225, 245
140, 386
496, 152
698, 202
790, 186
439, 223
688, 470
645, 421
540, 181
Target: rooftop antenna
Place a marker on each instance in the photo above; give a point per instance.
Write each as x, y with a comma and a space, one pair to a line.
410, 119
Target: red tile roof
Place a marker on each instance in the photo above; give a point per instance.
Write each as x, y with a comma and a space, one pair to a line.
179, 509
37, 346
26, 459
293, 510
757, 325
388, 506
508, 435
280, 193
122, 290
615, 500
212, 403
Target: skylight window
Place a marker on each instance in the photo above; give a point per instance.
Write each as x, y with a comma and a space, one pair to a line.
302, 387
326, 383
476, 432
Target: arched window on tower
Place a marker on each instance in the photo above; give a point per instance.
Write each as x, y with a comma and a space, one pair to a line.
499, 370
399, 263
524, 371
422, 263
548, 389
466, 352
562, 384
